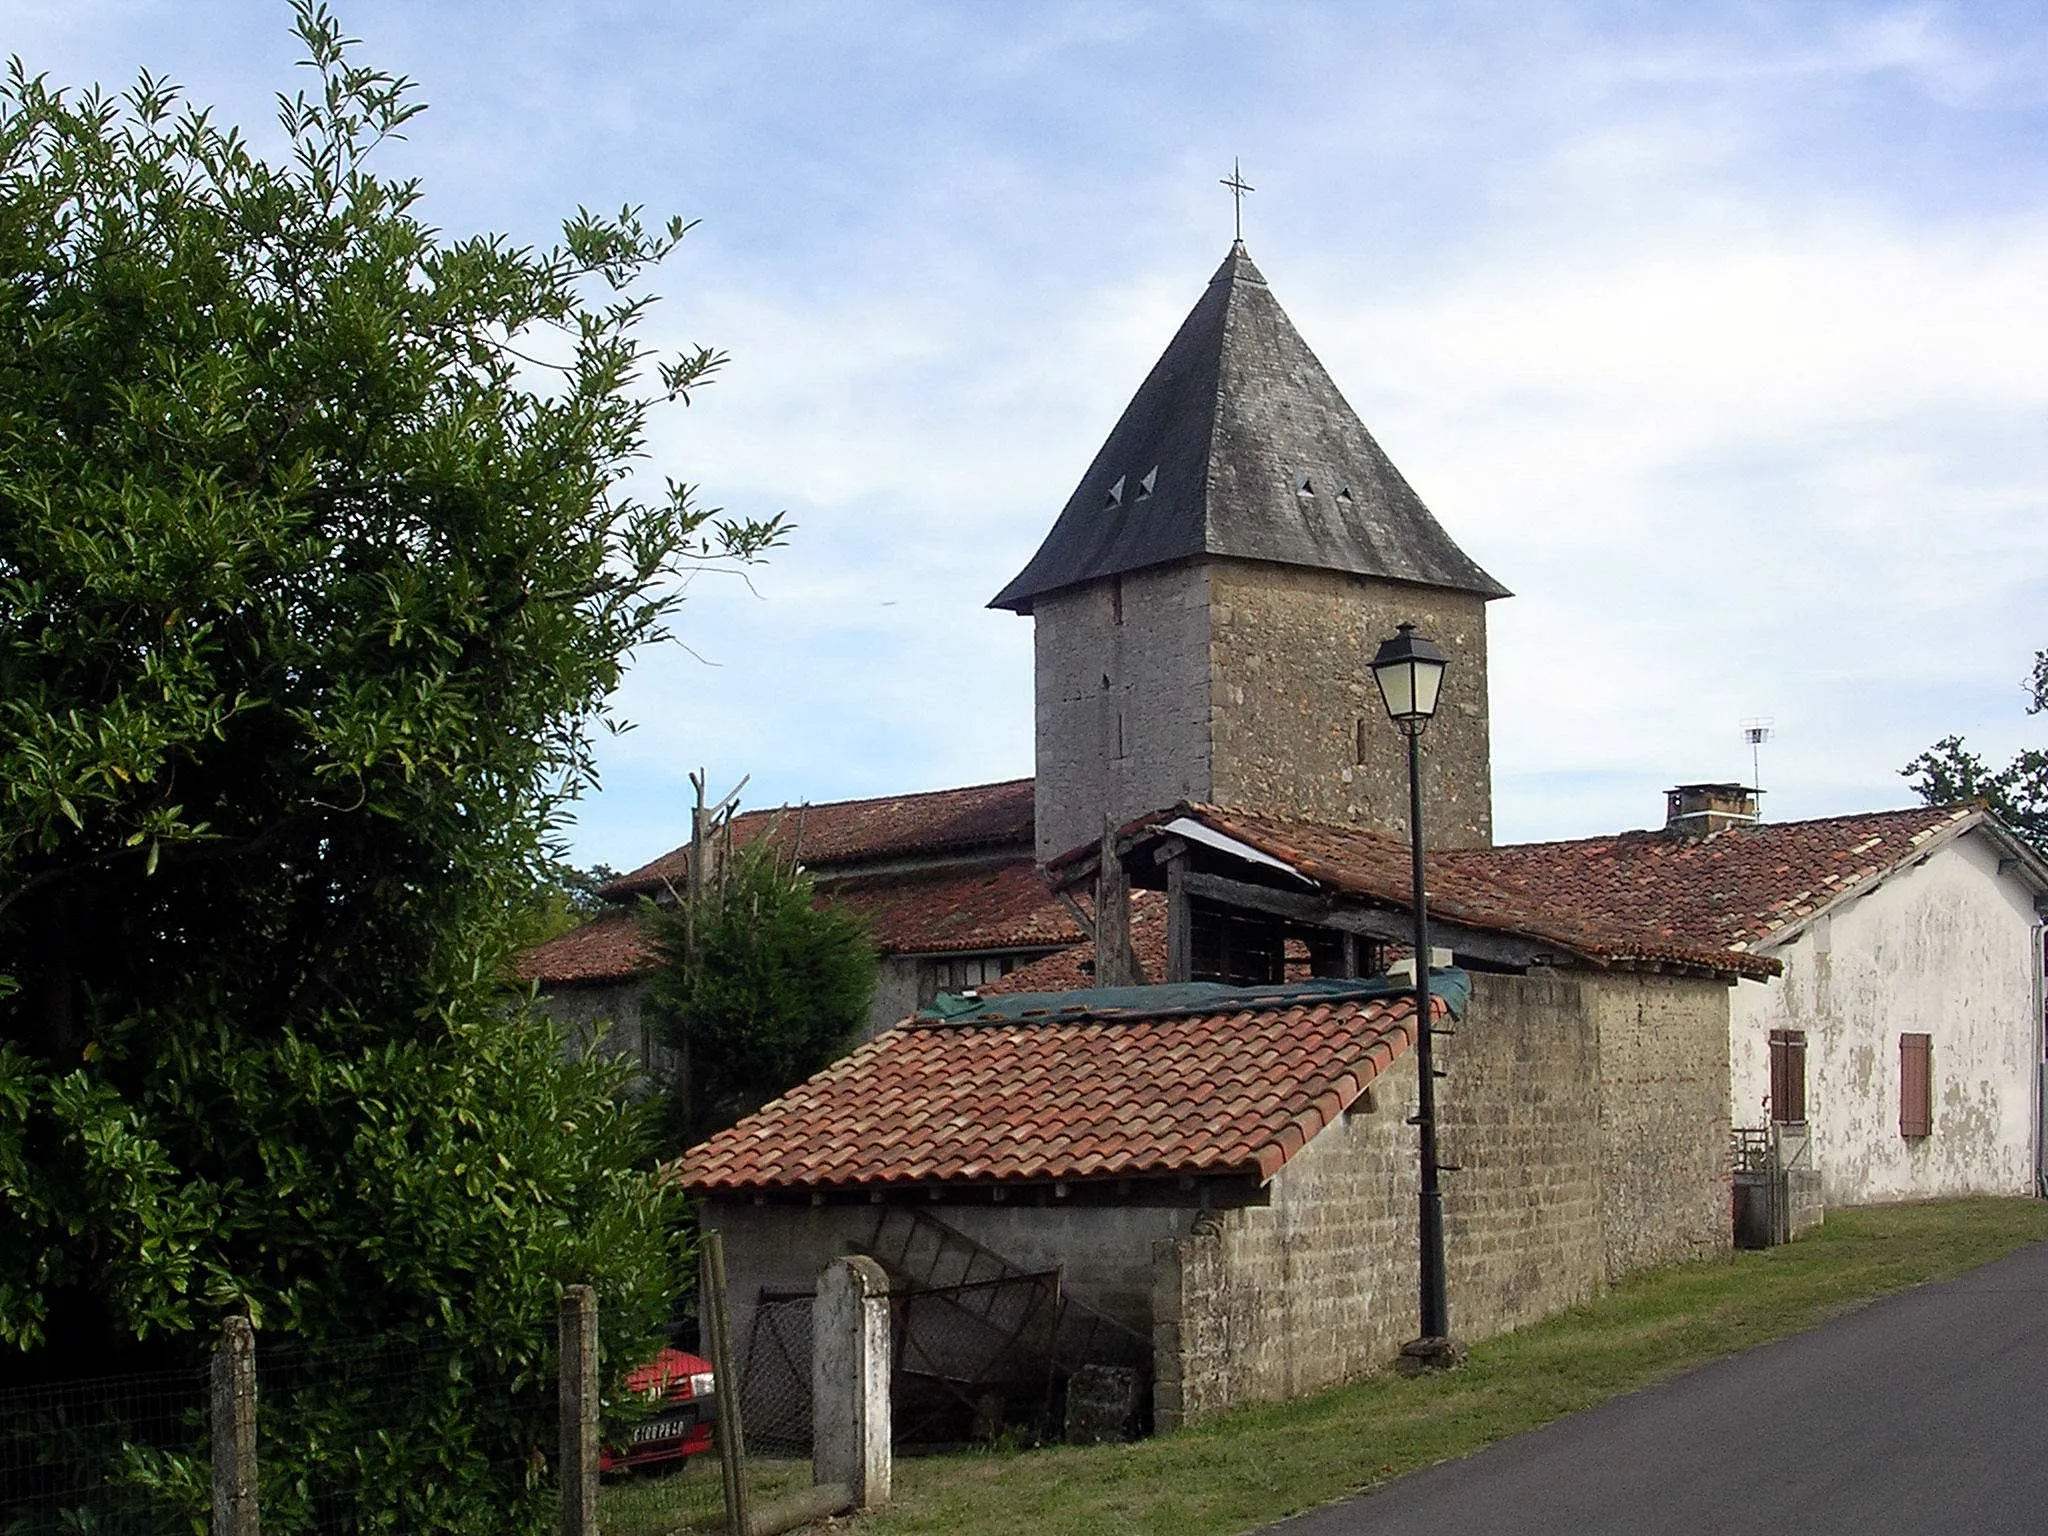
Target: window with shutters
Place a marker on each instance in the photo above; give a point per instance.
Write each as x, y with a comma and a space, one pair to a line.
1916, 1085
1788, 1076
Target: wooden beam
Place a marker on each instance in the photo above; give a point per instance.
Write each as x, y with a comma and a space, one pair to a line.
1379, 923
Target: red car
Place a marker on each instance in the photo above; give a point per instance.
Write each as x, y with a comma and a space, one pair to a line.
680, 1389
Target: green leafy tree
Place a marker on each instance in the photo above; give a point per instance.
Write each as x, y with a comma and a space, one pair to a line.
1949, 771
318, 565
761, 986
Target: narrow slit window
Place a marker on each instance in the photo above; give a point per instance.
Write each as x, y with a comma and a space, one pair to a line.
1359, 734
1116, 600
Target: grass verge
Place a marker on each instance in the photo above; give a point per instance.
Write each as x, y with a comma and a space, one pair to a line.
1249, 1468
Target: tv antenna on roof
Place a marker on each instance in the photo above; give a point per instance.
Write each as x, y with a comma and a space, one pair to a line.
1756, 731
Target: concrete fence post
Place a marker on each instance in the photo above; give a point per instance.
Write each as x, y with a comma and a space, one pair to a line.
235, 1504
579, 1405
850, 1381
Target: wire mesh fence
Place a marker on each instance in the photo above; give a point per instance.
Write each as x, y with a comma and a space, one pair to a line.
664, 1494
414, 1433
775, 1377
112, 1455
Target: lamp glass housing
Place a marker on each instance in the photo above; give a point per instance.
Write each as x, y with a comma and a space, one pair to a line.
1410, 674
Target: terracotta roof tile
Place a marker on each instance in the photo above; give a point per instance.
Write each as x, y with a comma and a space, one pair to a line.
1002, 906
1081, 1095
1735, 889
1063, 970
849, 831
610, 947
935, 911
1463, 887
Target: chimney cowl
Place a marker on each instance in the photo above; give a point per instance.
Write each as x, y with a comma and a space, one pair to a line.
1701, 810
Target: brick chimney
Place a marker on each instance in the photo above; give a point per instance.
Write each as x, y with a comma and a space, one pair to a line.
1700, 810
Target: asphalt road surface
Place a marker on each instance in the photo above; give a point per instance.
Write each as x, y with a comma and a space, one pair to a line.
1926, 1412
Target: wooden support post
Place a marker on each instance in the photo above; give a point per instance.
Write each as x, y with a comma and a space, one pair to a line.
579, 1404
1116, 965
236, 1510
731, 1437
1180, 937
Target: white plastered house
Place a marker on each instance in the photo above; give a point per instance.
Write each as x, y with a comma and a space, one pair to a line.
1899, 1054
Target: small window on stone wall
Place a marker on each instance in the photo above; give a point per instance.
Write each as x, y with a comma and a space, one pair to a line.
1360, 736
1788, 1076
1916, 1085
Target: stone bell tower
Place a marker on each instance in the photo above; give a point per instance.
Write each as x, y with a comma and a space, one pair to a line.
1206, 605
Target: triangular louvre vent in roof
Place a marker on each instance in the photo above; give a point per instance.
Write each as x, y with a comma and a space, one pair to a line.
1115, 498
1234, 407
1145, 486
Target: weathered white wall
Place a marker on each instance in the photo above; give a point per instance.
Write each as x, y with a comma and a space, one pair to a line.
1944, 948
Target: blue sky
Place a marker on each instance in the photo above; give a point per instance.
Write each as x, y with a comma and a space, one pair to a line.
1714, 331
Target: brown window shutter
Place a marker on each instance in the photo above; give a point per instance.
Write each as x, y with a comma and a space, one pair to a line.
1916, 1085
1788, 1076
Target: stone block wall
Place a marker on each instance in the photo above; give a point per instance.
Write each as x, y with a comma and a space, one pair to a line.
1248, 684
1519, 1117
1122, 681
1262, 1303
614, 1018
1582, 1112
1293, 702
1664, 1171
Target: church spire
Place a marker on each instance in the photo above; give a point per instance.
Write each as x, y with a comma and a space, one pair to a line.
1238, 444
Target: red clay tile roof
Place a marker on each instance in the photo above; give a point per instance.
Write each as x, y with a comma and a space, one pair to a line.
1070, 1098
933, 911
608, 948
1001, 907
1464, 888
1736, 888
1062, 970
849, 831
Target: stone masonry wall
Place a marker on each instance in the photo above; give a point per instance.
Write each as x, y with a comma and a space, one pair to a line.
1122, 678
1580, 1110
1519, 1117
614, 1018
1290, 655
1664, 1176
1262, 1303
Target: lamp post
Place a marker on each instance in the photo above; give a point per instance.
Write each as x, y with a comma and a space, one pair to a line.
1410, 674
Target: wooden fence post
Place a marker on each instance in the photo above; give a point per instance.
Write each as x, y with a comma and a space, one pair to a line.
235, 1505
579, 1404
731, 1438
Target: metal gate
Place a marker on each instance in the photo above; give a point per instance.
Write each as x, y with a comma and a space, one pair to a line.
981, 1345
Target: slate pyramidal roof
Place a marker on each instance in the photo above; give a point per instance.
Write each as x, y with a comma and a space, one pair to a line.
1239, 444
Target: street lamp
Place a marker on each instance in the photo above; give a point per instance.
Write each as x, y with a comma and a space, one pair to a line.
1410, 674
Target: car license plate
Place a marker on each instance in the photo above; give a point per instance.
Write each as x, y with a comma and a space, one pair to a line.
663, 1429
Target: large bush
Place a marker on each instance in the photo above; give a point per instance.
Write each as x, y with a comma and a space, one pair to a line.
317, 566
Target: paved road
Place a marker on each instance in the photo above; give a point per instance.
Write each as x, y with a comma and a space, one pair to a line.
1927, 1412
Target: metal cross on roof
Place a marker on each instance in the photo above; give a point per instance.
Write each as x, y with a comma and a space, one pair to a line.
1238, 187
